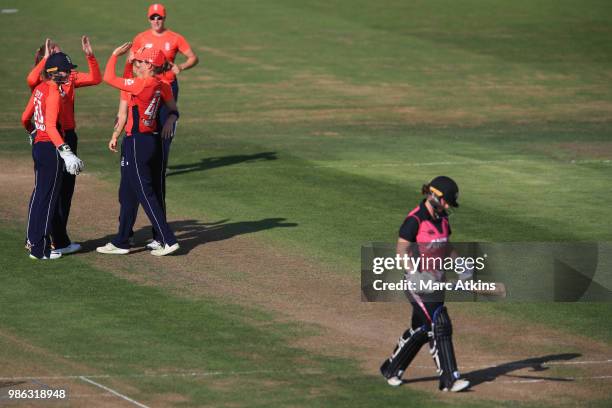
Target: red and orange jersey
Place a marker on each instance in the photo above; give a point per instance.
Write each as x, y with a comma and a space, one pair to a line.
77, 80
124, 96
44, 107
145, 96
34, 77
168, 41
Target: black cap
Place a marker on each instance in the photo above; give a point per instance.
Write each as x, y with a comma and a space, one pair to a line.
446, 188
58, 62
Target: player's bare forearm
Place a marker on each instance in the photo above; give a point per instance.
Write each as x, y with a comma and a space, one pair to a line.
168, 129
120, 121
192, 61
403, 248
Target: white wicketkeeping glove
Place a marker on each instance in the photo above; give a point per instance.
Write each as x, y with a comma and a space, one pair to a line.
74, 165
31, 136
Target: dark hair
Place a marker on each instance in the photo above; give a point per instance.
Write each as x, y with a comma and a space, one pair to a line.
158, 70
164, 68
425, 189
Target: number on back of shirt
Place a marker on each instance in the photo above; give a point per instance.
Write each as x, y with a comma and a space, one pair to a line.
39, 119
151, 111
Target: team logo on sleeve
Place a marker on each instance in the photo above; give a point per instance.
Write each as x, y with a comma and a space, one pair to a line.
129, 81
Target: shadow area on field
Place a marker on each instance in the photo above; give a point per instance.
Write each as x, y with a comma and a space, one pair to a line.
535, 364
208, 163
490, 374
192, 233
5, 384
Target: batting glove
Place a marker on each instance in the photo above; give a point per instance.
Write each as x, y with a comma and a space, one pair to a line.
74, 165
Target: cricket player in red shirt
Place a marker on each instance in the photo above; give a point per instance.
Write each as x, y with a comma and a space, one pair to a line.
142, 147
50, 153
170, 43
61, 241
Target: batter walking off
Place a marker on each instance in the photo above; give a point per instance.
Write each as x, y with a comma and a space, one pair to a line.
424, 233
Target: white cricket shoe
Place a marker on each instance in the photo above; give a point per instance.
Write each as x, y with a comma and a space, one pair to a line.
154, 245
112, 250
166, 250
395, 381
52, 255
70, 249
459, 385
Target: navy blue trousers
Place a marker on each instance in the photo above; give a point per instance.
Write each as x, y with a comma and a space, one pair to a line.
165, 153
59, 221
140, 164
48, 167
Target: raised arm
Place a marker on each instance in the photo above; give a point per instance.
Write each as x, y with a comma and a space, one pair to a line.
34, 75
132, 85
93, 77
33, 78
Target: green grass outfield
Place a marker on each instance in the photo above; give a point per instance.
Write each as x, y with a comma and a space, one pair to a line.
330, 115
120, 329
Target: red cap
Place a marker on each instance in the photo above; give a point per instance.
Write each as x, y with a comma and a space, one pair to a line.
158, 9
151, 55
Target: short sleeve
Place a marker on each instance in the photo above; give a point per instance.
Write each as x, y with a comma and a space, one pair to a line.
183, 45
136, 42
409, 229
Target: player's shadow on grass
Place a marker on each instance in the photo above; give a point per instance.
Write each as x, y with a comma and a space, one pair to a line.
191, 233
209, 163
535, 364
490, 374
5, 384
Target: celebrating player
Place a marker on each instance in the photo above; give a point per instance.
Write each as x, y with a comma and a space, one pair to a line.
40, 57
61, 241
424, 225
48, 146
170, 43
140, 159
